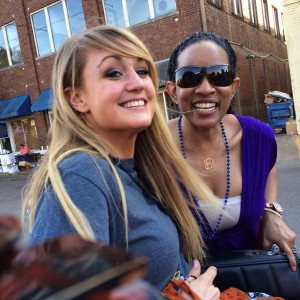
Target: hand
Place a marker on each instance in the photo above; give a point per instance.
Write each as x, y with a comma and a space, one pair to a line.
202, 285
275, 231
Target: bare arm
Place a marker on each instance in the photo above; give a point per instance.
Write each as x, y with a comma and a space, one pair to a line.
274, 230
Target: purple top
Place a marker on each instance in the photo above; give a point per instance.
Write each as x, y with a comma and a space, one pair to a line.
259, 154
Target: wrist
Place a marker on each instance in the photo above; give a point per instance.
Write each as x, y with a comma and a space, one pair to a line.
274, 208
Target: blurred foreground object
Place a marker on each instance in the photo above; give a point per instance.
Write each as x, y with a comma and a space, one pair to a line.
68, 267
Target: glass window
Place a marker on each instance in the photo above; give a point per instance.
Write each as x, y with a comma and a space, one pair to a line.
265, 15
24, 132
76, 16
138, 11
216, 2
58, 24
4, 63
162, 7
114, 13
41, 33
125, 13
237, 8
54, 24
10, 52
13, 43
276, 21
252, 12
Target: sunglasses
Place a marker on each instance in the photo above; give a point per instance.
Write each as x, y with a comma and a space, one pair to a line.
191, 76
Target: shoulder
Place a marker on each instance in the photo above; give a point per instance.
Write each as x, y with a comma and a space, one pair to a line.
253, 125
84, 164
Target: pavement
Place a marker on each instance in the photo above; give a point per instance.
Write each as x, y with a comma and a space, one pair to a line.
288, 148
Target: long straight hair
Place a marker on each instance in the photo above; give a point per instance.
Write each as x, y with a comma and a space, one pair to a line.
157, 158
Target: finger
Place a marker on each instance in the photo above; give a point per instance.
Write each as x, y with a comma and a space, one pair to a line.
291, 257
210, 274
195, 270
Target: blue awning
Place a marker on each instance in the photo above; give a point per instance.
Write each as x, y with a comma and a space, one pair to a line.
15, 107
44, 101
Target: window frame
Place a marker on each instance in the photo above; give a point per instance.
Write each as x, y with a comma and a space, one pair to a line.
266, 18
126, 14
276, 21
217, 3
236, 7
7, 46
49, 28
253, 12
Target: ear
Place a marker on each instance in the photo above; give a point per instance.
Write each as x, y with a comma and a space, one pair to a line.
75, 100
235, 85
171, 89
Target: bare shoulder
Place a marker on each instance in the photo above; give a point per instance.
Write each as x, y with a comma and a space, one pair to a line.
233, 129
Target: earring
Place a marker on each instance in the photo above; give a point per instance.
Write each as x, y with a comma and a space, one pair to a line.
175, 101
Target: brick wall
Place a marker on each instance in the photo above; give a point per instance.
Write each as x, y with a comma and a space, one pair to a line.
258, 76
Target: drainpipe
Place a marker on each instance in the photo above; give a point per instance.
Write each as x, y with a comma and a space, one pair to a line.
203, 15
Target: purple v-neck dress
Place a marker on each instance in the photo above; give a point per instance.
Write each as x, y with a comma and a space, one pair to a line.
259, 153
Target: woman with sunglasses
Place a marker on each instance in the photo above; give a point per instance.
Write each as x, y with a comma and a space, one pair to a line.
108, 174
235, 155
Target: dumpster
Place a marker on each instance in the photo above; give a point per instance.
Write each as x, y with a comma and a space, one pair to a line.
279, 113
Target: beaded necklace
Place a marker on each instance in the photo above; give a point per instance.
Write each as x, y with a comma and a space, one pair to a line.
203, 227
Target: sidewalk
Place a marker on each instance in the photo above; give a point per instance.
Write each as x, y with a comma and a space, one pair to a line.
288, 148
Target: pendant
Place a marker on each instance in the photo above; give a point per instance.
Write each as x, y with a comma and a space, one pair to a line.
208, 163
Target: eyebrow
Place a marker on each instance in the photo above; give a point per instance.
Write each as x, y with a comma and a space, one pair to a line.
117, 57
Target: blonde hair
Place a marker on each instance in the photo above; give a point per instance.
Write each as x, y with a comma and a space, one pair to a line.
156, 156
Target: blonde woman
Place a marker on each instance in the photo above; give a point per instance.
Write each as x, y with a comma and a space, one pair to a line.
112, 170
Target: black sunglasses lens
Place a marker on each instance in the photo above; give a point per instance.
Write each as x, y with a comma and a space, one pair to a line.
220, 75
188, 77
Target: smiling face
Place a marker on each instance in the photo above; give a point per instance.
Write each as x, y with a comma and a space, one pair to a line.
208, 103
117, 96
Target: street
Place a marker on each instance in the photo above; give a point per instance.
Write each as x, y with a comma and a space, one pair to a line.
289, 193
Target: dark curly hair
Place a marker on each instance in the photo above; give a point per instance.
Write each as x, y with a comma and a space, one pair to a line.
197, 37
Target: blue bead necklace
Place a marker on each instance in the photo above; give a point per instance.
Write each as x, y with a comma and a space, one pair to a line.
203, 227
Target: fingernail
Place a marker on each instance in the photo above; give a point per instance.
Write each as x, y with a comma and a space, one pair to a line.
294, 268
195, 263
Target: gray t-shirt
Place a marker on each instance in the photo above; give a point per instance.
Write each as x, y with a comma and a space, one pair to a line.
152, 233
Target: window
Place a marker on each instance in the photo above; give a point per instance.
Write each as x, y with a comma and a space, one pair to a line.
265, 15
276, 21
252, 11
283, 34
216, 2
125, 13
24, 132
237, 7
54, 24
10, 53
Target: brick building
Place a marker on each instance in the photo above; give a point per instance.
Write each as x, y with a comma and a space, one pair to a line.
32, 30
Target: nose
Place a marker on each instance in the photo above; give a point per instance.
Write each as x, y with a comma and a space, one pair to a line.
205, 87
134, 81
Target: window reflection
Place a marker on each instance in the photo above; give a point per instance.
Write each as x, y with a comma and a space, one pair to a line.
114, 13
13, 42
3, 53
10, 53
58, 25
55, 23
125, 13
76, 16
138, 11
162, 7
41, 33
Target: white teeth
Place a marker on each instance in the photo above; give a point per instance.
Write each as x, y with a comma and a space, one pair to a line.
205, 105
134, 103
